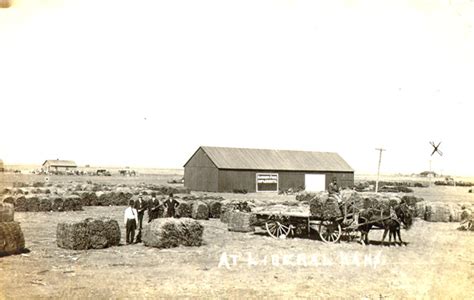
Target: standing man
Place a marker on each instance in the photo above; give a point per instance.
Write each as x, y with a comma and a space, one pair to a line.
130, 220
140, 206
153, 209
170, 206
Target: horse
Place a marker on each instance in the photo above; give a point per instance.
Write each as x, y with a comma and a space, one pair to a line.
390, 224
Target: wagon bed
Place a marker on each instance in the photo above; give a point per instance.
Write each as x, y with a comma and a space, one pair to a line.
280, 224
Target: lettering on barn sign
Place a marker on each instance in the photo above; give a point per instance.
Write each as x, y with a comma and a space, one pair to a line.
267, 182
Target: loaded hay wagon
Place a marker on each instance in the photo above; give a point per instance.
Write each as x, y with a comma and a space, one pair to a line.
325, 219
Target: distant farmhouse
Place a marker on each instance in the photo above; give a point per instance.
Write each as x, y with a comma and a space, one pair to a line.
219, 169
2, 168
52, 166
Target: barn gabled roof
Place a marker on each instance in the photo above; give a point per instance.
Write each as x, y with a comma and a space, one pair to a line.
266, 159
60, 163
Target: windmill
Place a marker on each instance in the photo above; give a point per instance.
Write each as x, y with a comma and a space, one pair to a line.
435, 150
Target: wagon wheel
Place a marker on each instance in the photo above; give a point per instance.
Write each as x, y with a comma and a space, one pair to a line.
277, 229
330, 232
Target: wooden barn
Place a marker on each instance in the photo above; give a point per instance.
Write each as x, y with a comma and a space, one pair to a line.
2, 168
57, 165
219, 169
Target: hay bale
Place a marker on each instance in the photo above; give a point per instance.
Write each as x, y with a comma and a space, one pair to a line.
215, 209
11, 238
72, 235
32, 203
88, 234
225, 216
103, 233
241, 221
437, 212
89, 199
122, 198
9, 199
45, 204
21, 203
57, 203
420, 209
99, 199
169, 232
72, 202
7, 212
454, 213
184, 210
199, 210
411, 200
305, 196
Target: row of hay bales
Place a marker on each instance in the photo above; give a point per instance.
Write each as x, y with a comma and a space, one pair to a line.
12, 240
35, 203
441, 212
40, 187
104, 232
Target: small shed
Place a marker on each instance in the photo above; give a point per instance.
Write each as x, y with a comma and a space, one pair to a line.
2, 168
222, 169
57, 165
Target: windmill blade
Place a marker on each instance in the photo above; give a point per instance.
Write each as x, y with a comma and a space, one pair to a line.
432, 144
440, 153
433, 152
438, 145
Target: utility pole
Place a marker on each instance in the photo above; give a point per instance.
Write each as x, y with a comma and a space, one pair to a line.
378, 169
430, 174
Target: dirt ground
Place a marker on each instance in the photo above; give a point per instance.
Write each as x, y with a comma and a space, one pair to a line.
436, 263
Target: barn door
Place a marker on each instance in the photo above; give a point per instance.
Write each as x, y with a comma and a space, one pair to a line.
315, 182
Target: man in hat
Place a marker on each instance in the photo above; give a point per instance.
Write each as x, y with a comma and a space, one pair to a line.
130, 221
333, 190
140, 206
153, 209
170, 206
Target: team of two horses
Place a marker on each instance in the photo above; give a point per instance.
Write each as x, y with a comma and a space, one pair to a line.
391, 223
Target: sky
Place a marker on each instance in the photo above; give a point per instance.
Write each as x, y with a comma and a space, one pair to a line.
146, 82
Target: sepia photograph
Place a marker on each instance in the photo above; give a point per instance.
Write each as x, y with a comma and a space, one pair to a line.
223, 149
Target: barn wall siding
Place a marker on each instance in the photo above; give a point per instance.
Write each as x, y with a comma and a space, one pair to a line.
229, 180
200, 174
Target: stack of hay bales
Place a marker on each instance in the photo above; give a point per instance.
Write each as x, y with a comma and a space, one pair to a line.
12, 240
199, 210
169, 233
88, 234
241, 221
228, 207
324, 207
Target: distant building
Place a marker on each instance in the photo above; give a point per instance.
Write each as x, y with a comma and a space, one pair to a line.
219, 169
2, 168
58, 165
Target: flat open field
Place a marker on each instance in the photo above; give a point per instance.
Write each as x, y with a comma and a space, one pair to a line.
437, 262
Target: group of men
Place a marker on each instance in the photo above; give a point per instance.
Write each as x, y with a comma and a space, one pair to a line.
133, 215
